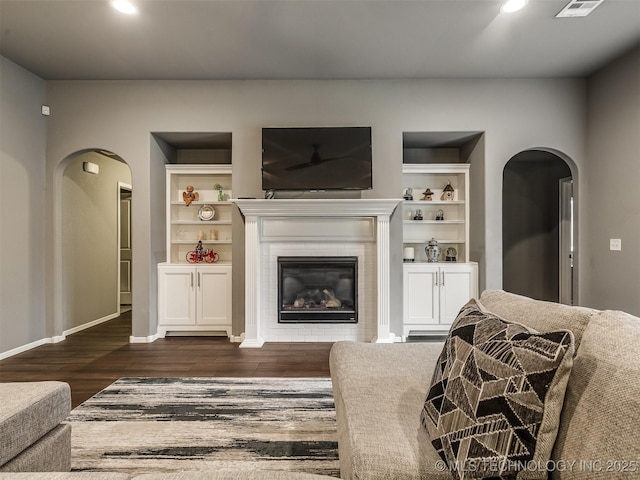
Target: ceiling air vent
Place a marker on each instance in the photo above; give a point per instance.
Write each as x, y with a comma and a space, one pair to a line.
578, 8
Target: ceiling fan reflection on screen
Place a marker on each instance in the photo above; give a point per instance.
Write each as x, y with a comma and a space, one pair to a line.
315, 159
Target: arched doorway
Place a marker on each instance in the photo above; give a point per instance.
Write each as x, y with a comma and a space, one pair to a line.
87, 234
538, 225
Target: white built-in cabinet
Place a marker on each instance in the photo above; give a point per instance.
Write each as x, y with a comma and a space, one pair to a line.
434, 292
197, 297
194, 298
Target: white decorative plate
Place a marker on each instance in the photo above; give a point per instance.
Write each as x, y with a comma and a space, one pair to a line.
206, 212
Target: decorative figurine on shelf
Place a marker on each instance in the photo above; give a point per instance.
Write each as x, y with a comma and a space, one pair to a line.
218, 187
432, 250
408, 194
450, 255
448, 191
418, 215
440, 215
427, 195
190, 196
201, 254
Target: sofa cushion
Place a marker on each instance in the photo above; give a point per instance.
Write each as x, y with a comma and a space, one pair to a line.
599, 435
238, 475
379, 392
50, 453
64, 476
538, 315
494, 405
28, 410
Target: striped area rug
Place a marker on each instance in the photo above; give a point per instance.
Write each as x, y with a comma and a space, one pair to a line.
140, 425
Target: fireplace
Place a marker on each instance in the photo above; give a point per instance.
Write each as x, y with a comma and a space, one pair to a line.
316, 227
317, 289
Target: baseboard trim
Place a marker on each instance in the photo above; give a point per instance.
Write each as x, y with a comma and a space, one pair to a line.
55, 338
24, 348
29, 346
93, 323
147, 339
252, 343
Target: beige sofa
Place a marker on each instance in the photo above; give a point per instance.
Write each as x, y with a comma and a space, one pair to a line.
380, 389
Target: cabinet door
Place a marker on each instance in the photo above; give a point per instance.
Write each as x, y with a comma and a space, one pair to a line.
176, 295
421, 295
457, 288
214, 296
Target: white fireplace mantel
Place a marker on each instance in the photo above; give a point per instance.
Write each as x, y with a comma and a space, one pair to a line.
308, 207
327, 220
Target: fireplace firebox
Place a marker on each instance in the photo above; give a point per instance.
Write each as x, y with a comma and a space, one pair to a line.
317, 289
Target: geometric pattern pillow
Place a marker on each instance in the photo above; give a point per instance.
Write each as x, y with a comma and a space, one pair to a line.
493, 408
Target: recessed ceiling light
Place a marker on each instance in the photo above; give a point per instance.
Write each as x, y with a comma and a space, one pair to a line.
124, 6
511, 6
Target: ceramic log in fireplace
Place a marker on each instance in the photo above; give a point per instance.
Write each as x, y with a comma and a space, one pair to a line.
317, 289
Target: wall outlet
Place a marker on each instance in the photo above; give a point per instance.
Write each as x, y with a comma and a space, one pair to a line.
615, 244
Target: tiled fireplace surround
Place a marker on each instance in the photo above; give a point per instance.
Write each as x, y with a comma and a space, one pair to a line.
316, 227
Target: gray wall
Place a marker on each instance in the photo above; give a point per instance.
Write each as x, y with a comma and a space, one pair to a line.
90, 239
119, 116
515, 115
612, 190
23, 233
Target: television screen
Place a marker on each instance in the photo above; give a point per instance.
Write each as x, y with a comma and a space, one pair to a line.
316, 158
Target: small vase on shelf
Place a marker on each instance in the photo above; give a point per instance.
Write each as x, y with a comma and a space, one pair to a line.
432, 250
218, 187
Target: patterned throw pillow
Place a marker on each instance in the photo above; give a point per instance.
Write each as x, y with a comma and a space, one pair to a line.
493, 409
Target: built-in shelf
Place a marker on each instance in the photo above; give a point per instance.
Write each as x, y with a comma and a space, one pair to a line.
181, 202
453, 231
435, 222
185, 228
434, 202
434, 292
197, 297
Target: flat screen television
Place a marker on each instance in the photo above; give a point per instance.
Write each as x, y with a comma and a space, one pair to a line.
316, 158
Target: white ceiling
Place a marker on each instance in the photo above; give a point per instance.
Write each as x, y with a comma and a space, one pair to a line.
312, 39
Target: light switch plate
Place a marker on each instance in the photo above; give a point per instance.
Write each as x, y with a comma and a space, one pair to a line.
615, 244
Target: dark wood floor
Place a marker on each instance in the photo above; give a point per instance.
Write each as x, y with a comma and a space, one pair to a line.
94, 358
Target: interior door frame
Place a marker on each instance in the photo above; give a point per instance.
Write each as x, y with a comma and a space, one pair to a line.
121, 186
566, 247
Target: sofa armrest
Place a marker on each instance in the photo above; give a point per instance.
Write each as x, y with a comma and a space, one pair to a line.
379, 391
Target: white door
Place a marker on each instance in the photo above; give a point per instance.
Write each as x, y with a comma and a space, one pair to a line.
420, 296
456, 289
214, 296
177, 295
125, 247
